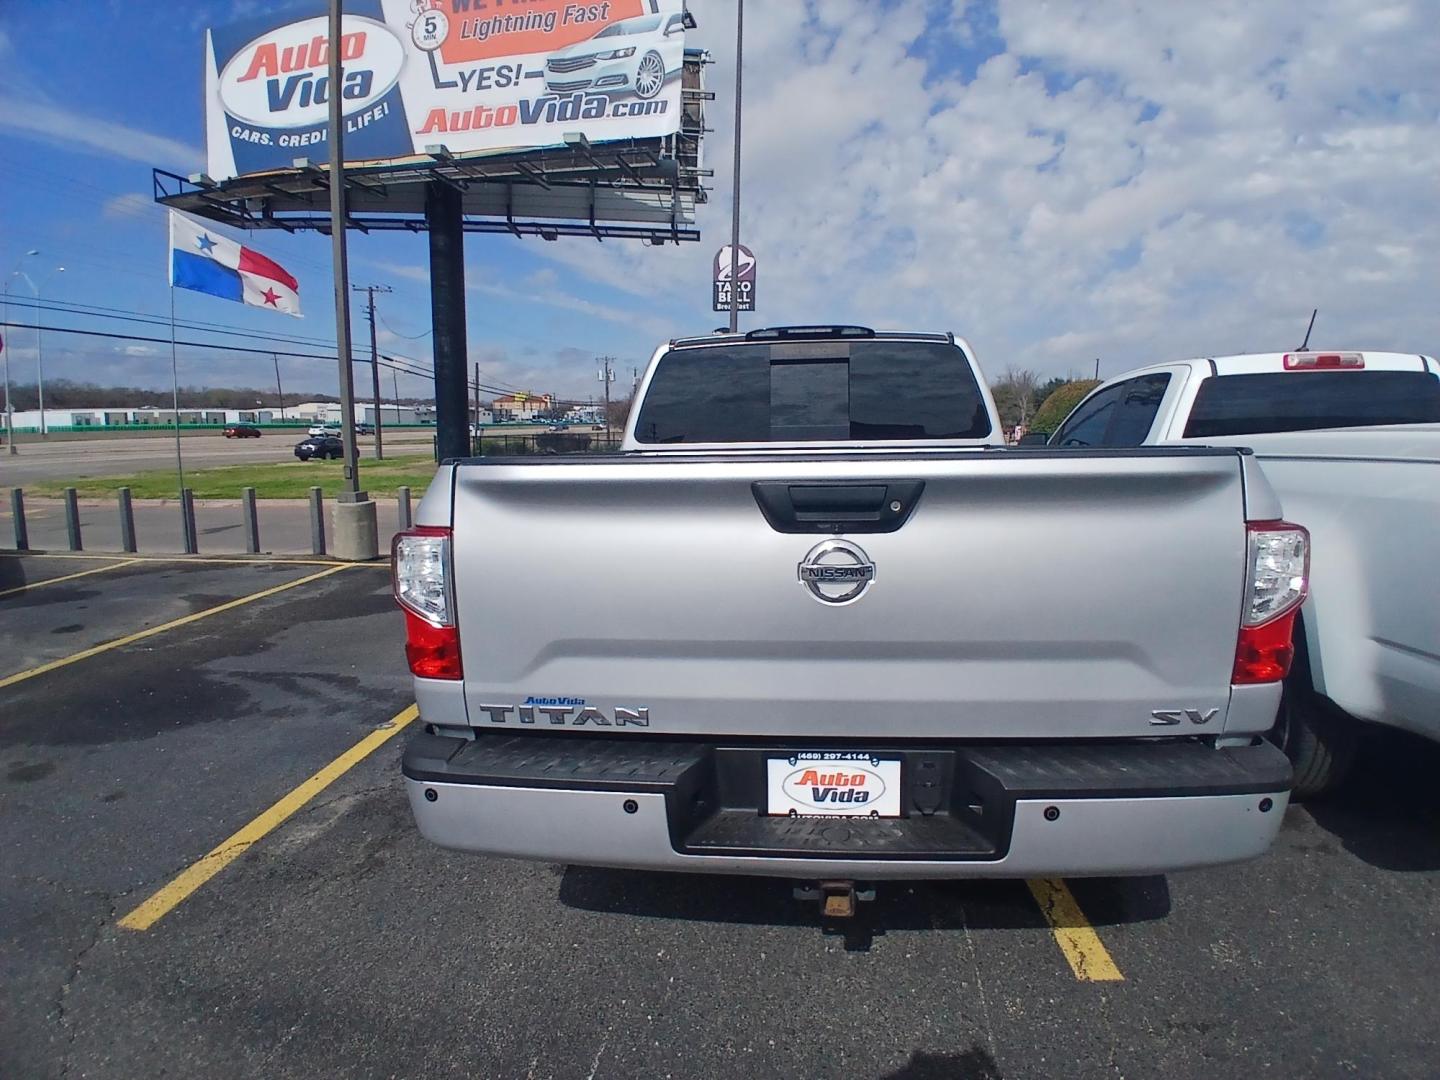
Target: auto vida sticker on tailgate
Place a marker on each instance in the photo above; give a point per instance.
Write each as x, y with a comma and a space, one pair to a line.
834, 784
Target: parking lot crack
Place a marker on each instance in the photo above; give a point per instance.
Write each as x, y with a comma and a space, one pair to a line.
62, 995
979, 982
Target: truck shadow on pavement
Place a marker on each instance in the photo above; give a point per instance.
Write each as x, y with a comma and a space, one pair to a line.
12, 574
974, 1064
1388, 812
898, 905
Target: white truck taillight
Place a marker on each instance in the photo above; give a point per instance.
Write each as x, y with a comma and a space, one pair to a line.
1278, 575
420, 565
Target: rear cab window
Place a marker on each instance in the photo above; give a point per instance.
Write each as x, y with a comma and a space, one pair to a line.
1251, 404
1119, 415
812, 391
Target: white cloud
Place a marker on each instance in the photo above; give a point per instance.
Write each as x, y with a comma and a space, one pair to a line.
34, 118
1133, 183
130, 205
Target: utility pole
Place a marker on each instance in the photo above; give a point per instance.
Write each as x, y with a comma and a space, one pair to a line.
9, 412
1097, 367
278, 388
606, 375
475, 410
735, 185
370, 291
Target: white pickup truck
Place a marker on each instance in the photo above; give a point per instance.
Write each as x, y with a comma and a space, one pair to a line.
816, 621
1350, 441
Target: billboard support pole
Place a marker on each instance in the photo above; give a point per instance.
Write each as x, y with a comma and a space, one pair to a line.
356, 532
735, 186
340, 260
445, 220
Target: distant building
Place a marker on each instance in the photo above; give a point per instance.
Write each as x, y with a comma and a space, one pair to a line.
329, 412
522, 406
116, 416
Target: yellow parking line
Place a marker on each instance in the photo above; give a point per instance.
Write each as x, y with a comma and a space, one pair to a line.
141, 635
1088, 957
251, 560
66, 577
168, 897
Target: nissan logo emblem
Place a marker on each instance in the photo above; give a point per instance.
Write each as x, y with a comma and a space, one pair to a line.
836, 572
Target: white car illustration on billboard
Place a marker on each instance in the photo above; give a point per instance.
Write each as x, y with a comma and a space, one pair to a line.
635, 55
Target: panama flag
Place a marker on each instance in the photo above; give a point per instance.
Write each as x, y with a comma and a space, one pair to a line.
203, 260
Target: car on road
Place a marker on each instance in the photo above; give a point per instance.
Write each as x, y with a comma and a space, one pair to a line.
630, 56
320, 446
1350, 442
822, 624
324, 429
241, 431
364, 429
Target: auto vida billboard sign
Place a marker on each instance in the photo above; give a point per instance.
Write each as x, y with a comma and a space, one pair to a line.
472, 75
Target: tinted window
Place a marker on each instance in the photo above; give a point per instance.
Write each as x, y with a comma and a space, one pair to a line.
1135, 412
1120, 415
1086, 426
812, 392
1307, 400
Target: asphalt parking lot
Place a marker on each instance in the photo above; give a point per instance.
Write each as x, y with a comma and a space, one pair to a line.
211, 871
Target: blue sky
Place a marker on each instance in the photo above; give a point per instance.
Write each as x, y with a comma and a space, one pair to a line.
1055, 182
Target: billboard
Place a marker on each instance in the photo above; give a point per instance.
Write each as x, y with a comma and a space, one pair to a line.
745, 272
472, 75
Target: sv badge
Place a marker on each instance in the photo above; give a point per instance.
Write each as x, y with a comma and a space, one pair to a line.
1176, 716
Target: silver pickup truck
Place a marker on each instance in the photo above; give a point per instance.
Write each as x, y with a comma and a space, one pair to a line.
1350, 441
815, 621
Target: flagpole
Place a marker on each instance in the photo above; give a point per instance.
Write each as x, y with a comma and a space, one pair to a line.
175, 391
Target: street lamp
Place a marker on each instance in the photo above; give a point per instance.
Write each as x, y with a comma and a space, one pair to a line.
40, 342
5, 293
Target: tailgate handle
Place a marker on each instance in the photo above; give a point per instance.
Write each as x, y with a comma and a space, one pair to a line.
834, 507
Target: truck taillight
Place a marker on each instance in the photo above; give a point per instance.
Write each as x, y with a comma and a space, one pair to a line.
1323, 361
1278, 575
420, 565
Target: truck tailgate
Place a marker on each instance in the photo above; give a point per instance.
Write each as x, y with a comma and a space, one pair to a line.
1028, 594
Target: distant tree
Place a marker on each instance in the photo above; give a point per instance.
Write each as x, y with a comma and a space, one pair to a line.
1015, 396
1058, 404
620, 413
1049, 386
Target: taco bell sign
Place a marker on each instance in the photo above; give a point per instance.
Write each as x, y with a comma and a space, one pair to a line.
746, 275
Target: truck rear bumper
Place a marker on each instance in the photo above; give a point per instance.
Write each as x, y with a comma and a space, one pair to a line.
1075, 810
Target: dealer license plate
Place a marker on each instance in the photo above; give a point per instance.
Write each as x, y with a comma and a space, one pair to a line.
833, 783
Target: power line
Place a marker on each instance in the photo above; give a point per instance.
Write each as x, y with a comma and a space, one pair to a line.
408, 337
402, 364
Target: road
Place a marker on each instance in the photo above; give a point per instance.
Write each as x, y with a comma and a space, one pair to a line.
211, 869
74, 459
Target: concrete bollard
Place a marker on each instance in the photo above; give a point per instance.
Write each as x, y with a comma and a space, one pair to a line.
72, 519
402, 497
127, 521
187, 522
317, 521
252, 521
17, 519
